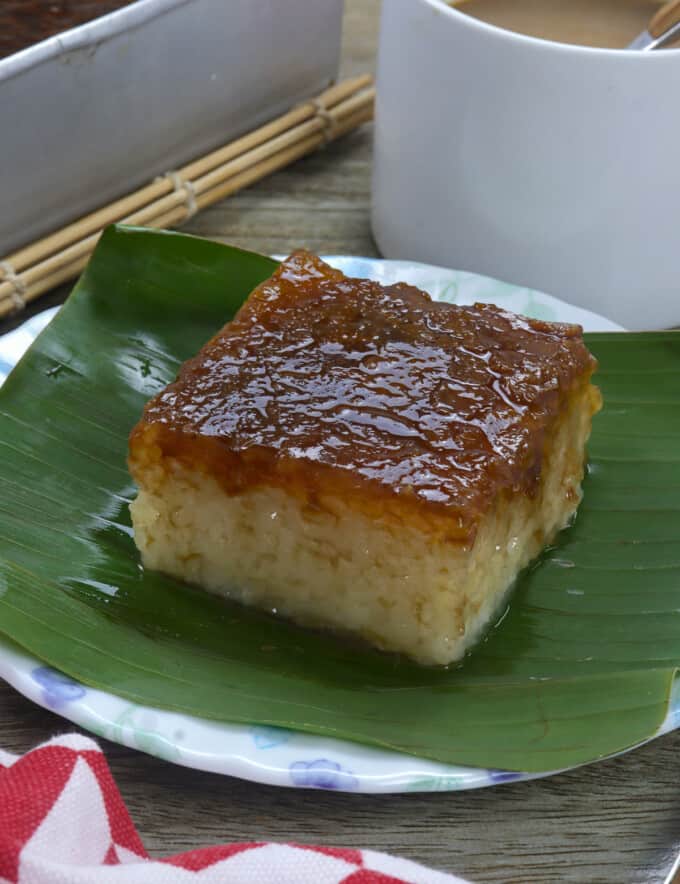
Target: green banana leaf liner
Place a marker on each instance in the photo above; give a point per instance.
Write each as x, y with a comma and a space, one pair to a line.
582, 666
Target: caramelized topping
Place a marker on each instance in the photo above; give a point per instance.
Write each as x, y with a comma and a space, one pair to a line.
25, 22
333, 385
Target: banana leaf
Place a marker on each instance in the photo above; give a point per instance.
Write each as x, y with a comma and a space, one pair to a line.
582, 665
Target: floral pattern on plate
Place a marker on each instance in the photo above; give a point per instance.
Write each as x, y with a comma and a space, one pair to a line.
57, 689
322, 774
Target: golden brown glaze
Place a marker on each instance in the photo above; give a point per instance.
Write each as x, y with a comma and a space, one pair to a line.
25, 22
327, 385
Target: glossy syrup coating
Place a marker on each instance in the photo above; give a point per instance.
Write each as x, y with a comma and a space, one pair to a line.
25, 22
326, 385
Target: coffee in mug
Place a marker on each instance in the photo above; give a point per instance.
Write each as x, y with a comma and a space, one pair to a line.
610, 24
551, 165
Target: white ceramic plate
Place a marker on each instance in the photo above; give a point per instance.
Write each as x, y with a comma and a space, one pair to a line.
266, 754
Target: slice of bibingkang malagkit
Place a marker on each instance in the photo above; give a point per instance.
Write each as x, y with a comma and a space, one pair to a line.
361, 458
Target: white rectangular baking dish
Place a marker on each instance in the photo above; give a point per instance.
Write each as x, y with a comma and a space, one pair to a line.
99, 110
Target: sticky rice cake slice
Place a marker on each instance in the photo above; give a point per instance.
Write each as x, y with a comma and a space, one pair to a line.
358, 457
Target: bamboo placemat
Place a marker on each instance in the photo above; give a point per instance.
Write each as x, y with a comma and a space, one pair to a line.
178, 195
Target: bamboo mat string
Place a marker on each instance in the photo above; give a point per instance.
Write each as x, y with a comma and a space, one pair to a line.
186, 189
18, 293
322, 113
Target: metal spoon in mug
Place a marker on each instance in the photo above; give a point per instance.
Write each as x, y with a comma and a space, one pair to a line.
663, 26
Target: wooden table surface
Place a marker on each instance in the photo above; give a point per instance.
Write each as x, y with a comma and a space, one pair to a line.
617, 821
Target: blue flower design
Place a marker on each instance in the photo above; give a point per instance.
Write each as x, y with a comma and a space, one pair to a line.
322, 774
503, 776
5, 368
268, 736
58, 689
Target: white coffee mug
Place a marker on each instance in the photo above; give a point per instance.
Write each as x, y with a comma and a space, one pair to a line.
544, 164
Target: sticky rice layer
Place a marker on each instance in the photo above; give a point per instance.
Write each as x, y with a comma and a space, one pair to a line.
392, 584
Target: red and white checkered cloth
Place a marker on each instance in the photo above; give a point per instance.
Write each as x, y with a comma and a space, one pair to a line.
63, 821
